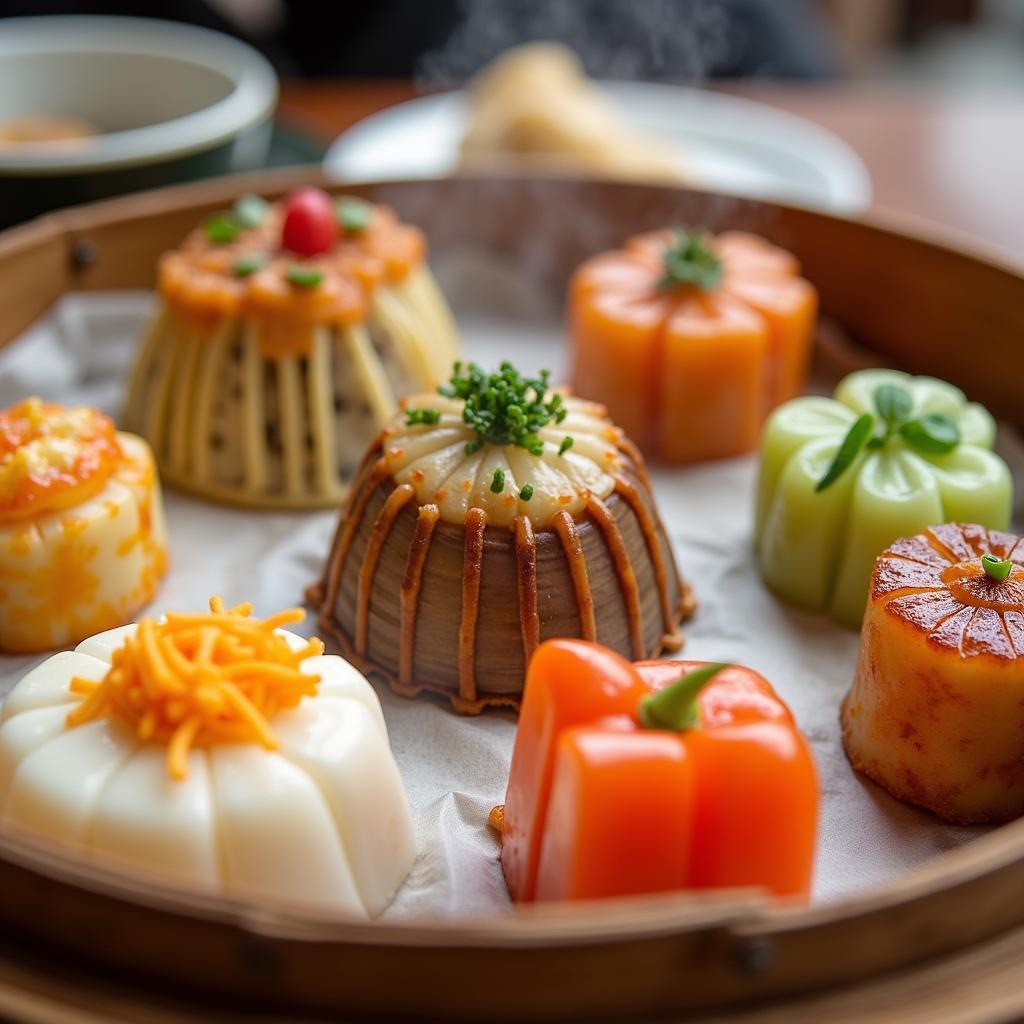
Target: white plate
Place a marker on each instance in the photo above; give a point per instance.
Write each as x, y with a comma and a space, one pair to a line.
725, 144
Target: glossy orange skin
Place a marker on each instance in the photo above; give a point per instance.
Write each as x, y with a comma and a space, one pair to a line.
51, 486
598, 806
691, 374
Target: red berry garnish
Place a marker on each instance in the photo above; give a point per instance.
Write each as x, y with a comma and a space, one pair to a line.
309, 224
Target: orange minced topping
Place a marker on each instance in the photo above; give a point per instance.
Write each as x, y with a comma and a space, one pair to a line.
52, 457
202, 679
198, 280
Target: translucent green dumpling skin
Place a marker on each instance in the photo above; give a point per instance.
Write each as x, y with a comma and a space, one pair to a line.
816, 548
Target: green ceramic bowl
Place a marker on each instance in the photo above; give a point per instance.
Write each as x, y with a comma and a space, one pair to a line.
169, 102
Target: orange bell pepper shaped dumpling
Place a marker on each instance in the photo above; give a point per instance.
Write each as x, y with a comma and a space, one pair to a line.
691, 340
630, 779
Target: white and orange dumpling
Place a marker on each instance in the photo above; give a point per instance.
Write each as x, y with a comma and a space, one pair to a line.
217, 751
82, 539
936, 711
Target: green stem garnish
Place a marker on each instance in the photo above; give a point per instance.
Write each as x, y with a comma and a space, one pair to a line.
526, 492
304, 277
251, 211
247, 265
353, 215
427, 416
997, 569
498, 480
565, 445
675, 707
856, 437
690, 260
504, 408
222, 228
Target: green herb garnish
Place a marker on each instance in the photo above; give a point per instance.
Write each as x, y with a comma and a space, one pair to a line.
251, 211
498, 480
690, 260
894, 403
304, 277
931, 434
565, 445
526, 492
417, 416
997, 569
247, 265
504, 408
353, 215
856, 437
222, 228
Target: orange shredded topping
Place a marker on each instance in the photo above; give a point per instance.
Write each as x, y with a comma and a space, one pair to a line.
198, 680
52, 457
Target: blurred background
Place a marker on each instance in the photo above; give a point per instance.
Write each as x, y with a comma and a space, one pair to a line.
912, 105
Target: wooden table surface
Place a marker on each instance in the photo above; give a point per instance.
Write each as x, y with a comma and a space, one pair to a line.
954, 159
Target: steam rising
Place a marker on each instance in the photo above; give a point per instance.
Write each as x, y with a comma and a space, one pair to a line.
623, 39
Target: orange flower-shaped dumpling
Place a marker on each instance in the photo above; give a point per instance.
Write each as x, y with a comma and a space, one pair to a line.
690, 341
936, 711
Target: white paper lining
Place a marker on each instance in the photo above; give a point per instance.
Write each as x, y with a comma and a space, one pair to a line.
455, 768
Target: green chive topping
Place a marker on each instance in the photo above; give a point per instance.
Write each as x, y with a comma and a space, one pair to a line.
690, 260
997, 569
247, 265
526, 492
353, 215
222, 228
498, 480
505, 408
675, 707
416, 416
565, 445
251, 211
855, 439
304, 277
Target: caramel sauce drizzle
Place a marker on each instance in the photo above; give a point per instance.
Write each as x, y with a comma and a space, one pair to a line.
609, 526
472, 567
382, 525
526, 579
629, 449
632, 497
370, 476
410, 592
565, 527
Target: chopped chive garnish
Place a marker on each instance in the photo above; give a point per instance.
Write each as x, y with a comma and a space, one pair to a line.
304, 277
247, 265
498, 480
417, 416
353, 215
526, 493
565, 445
505, 408
251, 211
222, 228
997, 569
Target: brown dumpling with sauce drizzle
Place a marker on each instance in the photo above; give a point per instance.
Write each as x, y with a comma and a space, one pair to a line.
456, 556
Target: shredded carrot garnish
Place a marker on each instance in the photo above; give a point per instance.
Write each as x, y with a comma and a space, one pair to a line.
197, 680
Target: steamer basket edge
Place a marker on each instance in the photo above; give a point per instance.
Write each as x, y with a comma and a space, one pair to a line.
744, 949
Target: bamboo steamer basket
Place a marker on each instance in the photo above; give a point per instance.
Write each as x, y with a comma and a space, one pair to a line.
942, 943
